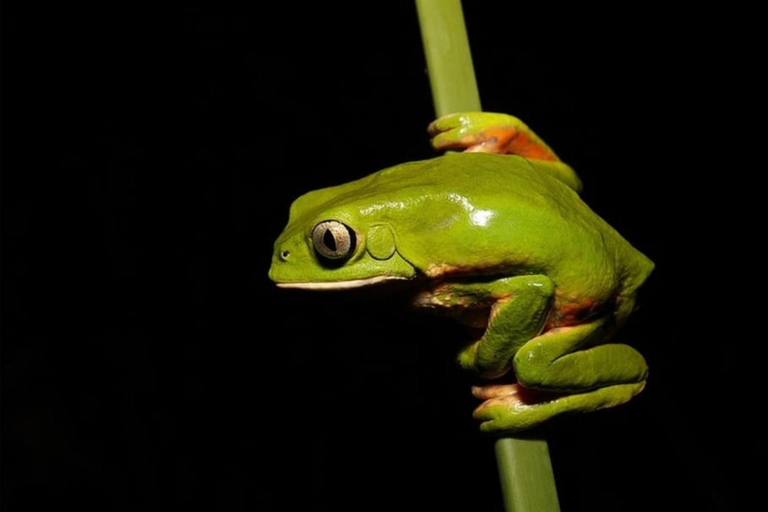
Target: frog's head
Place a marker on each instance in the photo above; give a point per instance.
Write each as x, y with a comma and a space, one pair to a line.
338, 238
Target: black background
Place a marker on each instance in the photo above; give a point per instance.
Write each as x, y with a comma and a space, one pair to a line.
149, 162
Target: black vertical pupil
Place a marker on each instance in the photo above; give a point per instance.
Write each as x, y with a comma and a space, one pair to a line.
329, 240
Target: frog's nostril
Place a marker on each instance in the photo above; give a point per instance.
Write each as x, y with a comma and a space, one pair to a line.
285, 254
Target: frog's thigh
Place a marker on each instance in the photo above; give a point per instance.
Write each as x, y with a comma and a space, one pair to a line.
556, 360
521, 308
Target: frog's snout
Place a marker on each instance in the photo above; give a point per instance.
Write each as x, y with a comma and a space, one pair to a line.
290, 260
280, 260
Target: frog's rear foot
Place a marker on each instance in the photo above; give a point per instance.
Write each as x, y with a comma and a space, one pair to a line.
513, 408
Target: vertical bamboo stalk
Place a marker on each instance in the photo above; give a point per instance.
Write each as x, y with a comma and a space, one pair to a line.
449, 61
525, 470
527, 481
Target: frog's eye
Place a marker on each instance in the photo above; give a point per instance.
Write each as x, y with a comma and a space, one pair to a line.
334, 240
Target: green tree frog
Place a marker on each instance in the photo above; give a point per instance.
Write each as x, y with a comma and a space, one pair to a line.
498, 237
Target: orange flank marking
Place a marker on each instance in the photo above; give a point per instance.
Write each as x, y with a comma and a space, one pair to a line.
513, 142
574, 309
573, 312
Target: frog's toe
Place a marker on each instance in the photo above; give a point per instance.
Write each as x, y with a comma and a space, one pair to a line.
456, 138
474, 132
512, 408
449, 122
496, 408
450, 141
505, 413
461, 131
495, 391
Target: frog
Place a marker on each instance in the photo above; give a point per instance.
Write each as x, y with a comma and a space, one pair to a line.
495, 234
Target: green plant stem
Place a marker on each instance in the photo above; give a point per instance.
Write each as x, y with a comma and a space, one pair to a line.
449, 61
527, 482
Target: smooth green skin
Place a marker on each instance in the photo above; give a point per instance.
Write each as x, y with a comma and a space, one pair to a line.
500, 238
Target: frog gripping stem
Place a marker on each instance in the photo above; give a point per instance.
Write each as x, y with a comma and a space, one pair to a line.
496, 236
525, 470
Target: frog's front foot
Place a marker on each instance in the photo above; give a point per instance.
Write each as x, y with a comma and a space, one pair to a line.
486, 132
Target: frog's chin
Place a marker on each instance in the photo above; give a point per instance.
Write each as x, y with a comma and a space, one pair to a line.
341, 285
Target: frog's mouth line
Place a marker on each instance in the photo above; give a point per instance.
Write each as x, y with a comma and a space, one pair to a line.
341, 285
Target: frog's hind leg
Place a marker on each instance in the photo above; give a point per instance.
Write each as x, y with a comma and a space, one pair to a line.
573, 373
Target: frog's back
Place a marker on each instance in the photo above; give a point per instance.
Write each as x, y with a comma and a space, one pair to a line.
505, 214
479, 174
